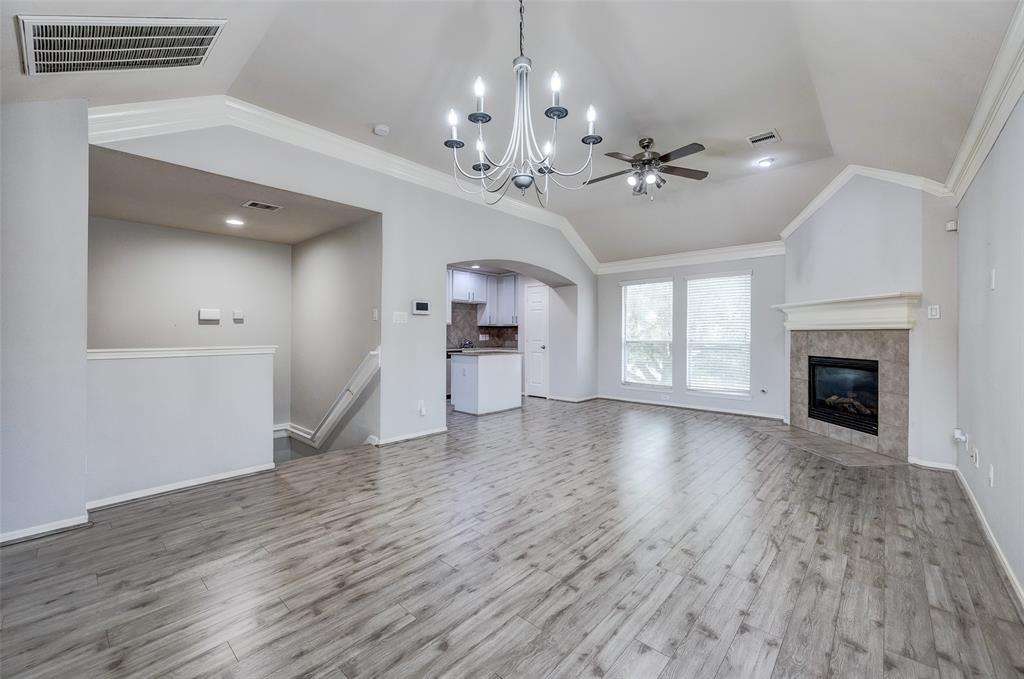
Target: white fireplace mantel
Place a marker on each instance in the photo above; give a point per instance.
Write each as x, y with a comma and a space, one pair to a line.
891, 311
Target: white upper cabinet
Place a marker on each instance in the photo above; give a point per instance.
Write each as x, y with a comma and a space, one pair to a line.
487, 314
507, 286
468, 286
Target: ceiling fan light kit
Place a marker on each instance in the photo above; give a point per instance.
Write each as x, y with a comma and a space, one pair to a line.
525, 163
647, 167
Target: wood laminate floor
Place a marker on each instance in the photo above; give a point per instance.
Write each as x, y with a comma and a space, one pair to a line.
594, 540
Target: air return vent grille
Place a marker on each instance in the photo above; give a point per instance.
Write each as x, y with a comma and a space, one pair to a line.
53, 44
256, 205
768, 137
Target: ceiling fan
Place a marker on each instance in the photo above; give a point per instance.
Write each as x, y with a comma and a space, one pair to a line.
647, 166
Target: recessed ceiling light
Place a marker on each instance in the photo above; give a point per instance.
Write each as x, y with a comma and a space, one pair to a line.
475, 266
234, 221
766, 162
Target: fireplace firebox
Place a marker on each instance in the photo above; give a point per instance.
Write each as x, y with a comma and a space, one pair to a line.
843, 391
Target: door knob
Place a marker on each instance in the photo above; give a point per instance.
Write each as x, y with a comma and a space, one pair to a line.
543, 346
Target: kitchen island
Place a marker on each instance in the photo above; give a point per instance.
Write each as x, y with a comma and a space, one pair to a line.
487, 380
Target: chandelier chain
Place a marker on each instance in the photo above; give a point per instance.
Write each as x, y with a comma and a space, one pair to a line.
522, 37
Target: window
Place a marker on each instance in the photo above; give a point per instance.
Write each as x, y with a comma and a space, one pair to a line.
718, 334
647, 333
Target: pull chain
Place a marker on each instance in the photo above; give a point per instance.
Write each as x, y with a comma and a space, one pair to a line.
522, 40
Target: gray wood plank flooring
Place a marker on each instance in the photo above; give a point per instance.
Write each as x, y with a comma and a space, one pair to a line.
560, 540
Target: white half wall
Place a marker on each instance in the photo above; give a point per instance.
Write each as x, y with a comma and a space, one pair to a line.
147, 283
991, 343
43, 240
875, 237
768, 349
158, 423
423, 231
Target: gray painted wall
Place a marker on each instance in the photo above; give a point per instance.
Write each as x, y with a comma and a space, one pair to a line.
874, 237
991, 389
423, 231
147, 283
45, 179
336, 287
768, 351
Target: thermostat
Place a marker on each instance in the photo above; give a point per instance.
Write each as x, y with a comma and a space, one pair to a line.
420, 307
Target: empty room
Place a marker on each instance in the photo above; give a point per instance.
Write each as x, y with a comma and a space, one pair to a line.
730, 298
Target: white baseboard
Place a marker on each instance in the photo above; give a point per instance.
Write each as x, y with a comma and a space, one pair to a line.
43, 529
724, 411
158, 490
933, 465
566, 399
410, 437
1001, 560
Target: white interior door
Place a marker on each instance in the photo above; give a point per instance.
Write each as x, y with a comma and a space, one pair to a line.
537, 340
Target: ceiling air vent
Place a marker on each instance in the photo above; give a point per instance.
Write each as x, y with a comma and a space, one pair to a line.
256, 205
58, 44
769, 137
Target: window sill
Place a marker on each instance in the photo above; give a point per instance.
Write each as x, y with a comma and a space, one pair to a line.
731, 395
645, 387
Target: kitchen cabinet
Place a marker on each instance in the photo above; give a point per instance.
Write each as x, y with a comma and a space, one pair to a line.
487, 314
501, 301
507, 291
469, 287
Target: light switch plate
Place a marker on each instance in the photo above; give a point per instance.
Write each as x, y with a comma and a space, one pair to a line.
238, 315
934, 311
400, 317
209, 315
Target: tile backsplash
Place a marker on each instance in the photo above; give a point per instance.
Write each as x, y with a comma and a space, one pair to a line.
465, 326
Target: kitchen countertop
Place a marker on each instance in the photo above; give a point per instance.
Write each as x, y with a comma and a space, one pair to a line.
485, 352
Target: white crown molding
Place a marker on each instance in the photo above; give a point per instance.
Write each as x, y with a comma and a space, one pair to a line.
1003, 89
891, 311
172, 352
849, 172
724, 254
122, 122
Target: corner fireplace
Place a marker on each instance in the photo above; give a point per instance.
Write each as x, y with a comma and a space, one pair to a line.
843, 391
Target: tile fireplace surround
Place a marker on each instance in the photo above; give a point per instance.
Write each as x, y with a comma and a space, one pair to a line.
891, 349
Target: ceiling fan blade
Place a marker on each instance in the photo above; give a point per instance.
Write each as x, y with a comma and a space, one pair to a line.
607, 176
681, 152
683, 172
619, 156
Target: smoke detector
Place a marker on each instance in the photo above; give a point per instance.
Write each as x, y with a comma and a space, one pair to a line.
73, 44
767, 137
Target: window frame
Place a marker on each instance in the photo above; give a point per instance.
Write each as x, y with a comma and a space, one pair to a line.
738, 395
623, 342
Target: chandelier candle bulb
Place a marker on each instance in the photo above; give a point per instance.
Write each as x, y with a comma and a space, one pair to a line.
591, 117
478, 90
556, 86
453, 120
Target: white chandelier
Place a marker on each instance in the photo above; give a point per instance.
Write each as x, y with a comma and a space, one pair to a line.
525, 163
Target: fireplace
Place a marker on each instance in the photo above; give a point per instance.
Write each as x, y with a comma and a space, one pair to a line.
843, 391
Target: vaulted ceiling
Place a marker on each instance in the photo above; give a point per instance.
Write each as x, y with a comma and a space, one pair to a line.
886, 84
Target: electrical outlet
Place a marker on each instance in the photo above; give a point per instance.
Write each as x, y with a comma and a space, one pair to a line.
421, 408
991, 476
664, 397
376, 314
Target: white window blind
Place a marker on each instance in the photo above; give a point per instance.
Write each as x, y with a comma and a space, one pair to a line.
718, 334
647, 333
